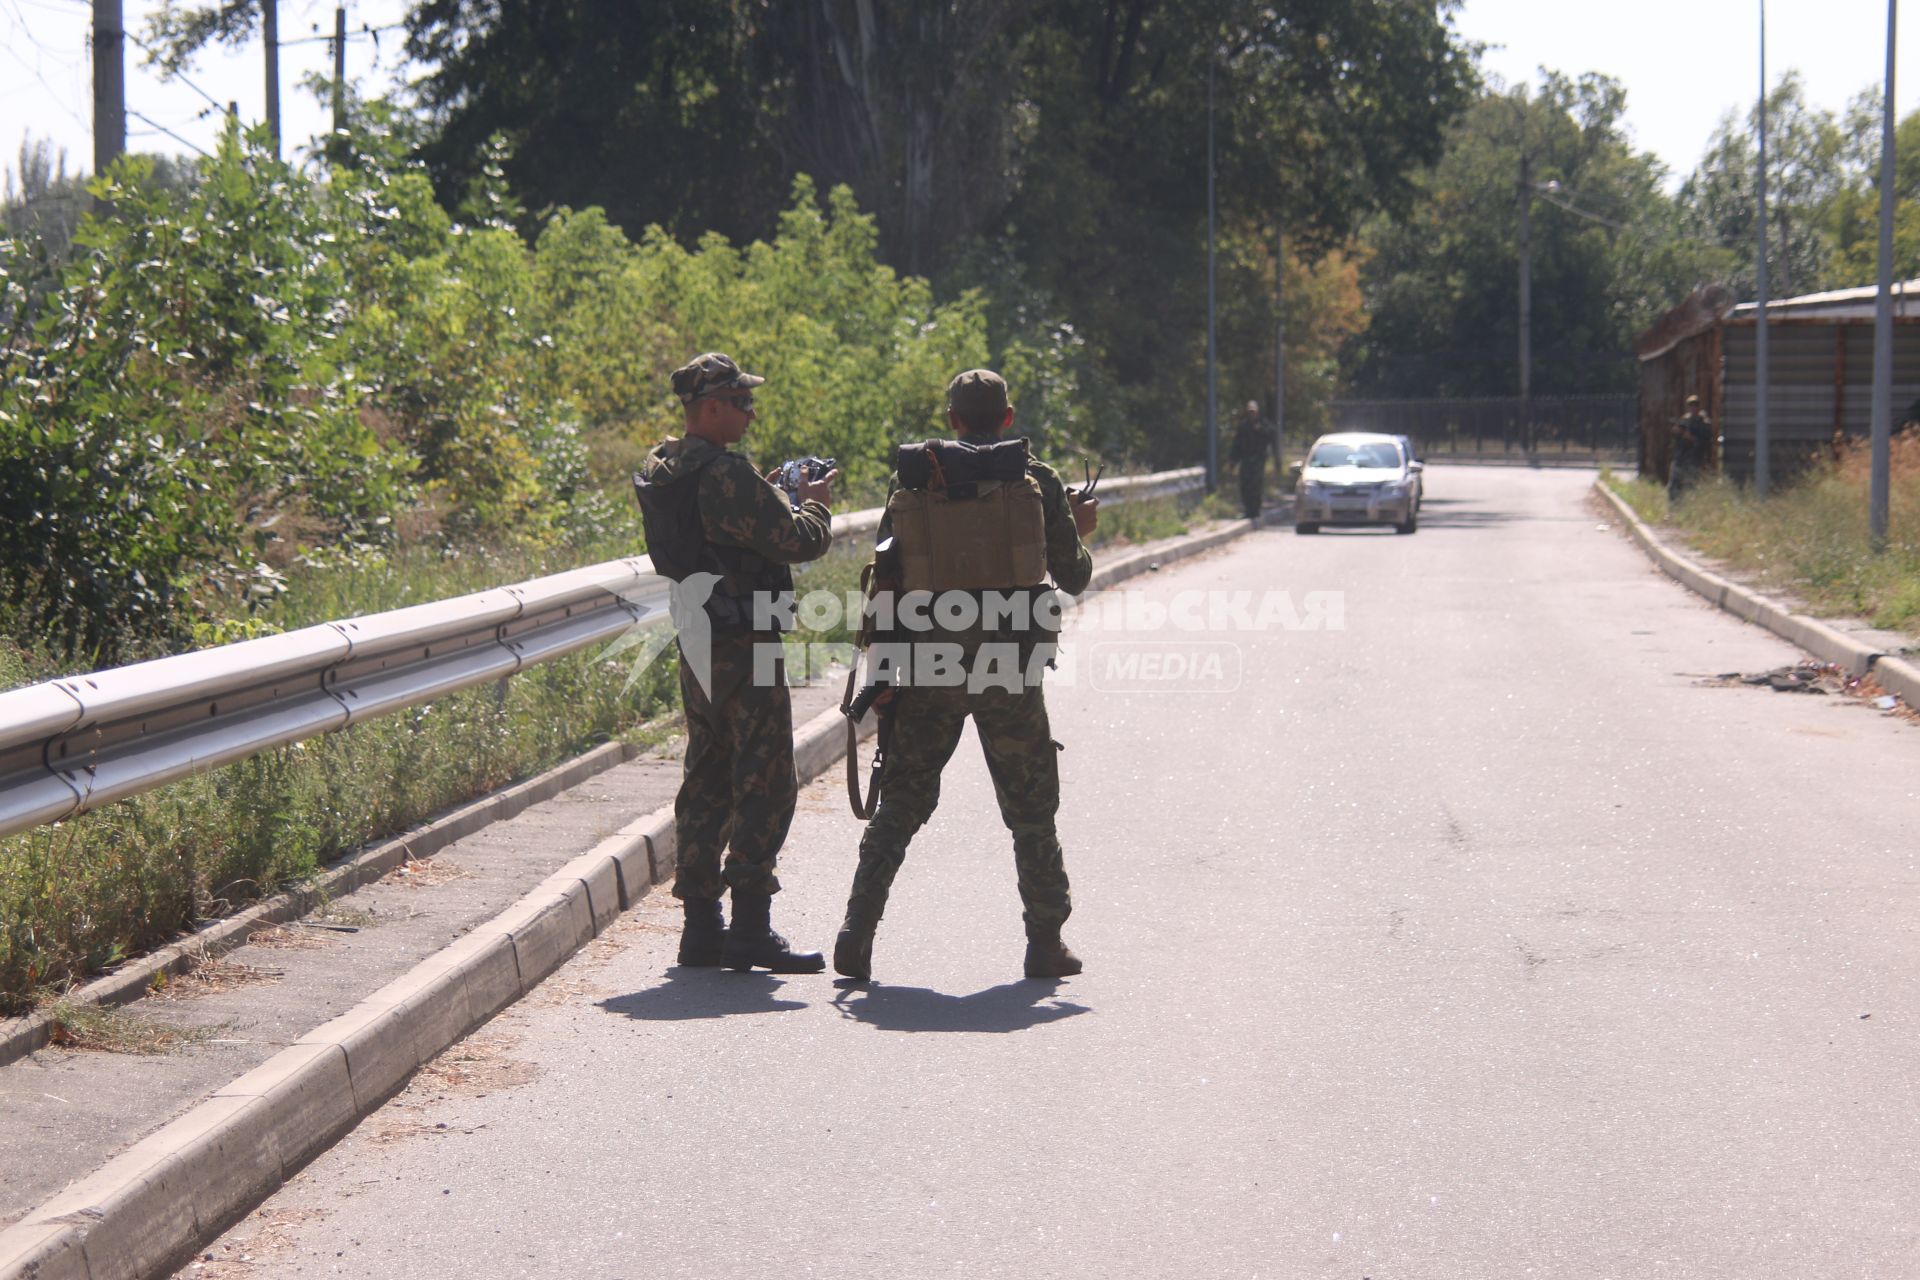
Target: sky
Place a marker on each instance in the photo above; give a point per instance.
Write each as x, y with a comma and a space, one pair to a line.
1684, 63
46, 76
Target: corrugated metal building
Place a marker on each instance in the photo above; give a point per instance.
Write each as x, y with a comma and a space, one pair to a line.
1819, 373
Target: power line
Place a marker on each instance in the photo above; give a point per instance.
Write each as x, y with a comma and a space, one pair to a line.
170, 133
52, 92
373, 32
1553, 197
34, 40
181, 76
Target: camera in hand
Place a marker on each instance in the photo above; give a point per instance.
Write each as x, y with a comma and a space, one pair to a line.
802, 471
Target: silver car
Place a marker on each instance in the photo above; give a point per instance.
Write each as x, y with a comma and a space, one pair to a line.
1417, 467
1357, 477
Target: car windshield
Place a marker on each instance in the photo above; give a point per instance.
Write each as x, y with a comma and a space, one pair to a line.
1378, 455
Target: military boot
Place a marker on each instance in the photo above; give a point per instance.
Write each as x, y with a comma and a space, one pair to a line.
853, 949
752, 943
1047, 955
703, 934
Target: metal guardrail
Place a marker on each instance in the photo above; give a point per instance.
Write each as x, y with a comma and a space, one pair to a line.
81, 742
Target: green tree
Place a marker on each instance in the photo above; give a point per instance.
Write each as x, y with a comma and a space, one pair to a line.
651, 111
1062, 141
1608, 253
1804, 167
1852, 217
171, 415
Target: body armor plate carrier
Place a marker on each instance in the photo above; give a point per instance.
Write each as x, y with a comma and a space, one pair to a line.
968, 517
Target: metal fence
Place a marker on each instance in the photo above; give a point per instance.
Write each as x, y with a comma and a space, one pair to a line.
1495, 426
75, 744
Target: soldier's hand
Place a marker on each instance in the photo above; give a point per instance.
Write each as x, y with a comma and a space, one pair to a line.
821, 490
1086, 513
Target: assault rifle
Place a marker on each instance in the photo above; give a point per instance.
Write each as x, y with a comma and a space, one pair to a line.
882, 574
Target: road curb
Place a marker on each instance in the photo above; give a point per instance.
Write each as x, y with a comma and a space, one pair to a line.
1825, 642
146, 1211
1150, 560
132, 980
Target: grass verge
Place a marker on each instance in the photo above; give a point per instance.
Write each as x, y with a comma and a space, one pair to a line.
1809, 538
80, 896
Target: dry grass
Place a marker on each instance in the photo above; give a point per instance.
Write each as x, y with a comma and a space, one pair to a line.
254, 1247
1809, 539
209, 976
424, 873
294, 937
475, 1067
110, 1030
338, 919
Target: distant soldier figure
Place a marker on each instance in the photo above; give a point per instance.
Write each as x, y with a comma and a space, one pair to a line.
1251, 444
1692, 450
716, 527
960, 513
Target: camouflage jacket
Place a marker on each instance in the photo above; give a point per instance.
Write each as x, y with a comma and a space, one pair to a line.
738, 507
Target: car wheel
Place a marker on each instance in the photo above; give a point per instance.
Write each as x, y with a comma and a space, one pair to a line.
1306, 528
1411, 524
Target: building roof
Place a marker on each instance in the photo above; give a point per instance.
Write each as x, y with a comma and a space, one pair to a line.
1838, 304
1698, 312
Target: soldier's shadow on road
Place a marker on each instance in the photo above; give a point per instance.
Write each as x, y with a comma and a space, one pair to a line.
1013, 1006
688, 994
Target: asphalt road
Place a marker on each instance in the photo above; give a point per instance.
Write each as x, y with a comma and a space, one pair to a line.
1475, 938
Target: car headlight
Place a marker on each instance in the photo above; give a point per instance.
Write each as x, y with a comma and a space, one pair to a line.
1314, 489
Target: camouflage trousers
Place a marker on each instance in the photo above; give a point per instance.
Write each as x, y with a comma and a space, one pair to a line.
738, 788
1025, 768
1683, 476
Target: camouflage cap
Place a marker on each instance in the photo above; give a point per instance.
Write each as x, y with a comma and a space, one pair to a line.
977, 393
709, 375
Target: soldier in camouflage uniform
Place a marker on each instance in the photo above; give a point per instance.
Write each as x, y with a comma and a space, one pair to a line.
1692, 450
1012, 725
709, 512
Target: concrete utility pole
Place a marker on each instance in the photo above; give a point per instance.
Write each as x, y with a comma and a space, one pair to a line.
339, 68
1760, 442
270, 36
109, 85
1883, 317
1213, 419
1279, 345
1526, 297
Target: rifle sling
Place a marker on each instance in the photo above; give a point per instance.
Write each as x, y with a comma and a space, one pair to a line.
864, 809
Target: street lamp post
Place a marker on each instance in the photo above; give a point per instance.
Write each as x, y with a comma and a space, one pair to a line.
1279, 345
1526, 299
1760, 441
1213, 418
1883, 317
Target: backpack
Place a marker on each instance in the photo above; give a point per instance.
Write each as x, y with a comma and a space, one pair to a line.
968, 517
678, 546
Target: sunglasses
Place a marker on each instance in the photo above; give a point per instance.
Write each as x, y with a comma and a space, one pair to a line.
743, 403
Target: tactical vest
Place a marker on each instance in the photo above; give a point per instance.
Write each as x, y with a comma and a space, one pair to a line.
968, 517
678, 546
